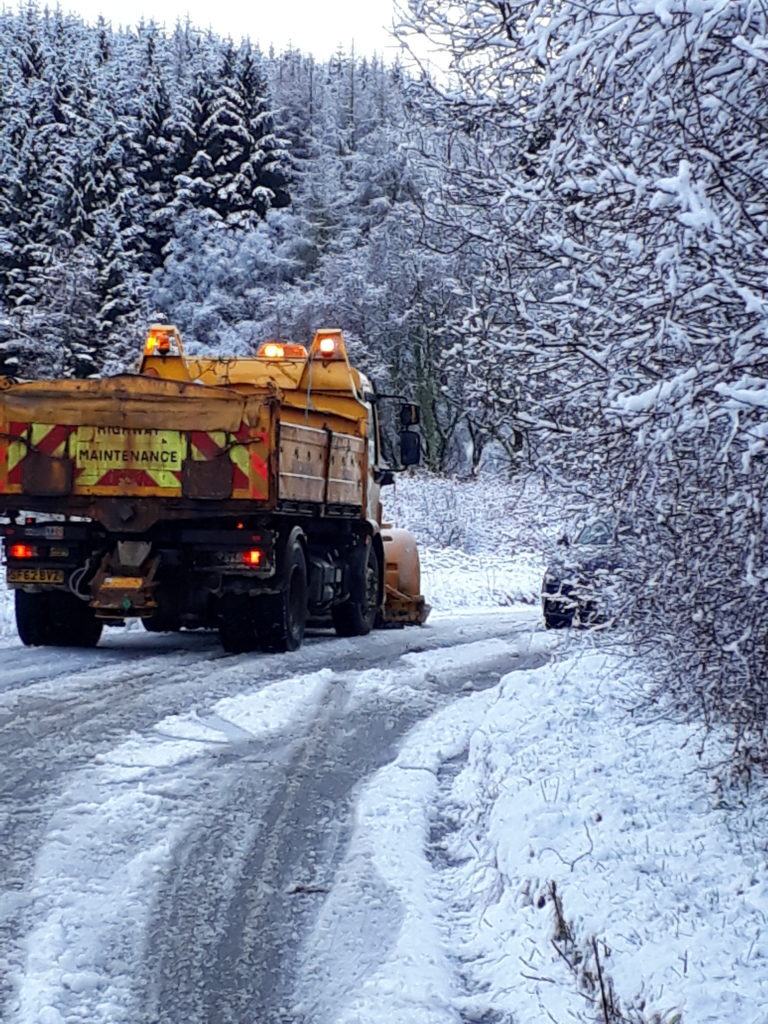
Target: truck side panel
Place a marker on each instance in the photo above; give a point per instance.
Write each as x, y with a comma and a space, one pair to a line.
321, 466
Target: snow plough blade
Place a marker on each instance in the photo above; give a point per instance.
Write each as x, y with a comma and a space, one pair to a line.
403, 602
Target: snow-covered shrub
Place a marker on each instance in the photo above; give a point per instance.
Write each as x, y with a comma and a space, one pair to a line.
483, 515
482, 541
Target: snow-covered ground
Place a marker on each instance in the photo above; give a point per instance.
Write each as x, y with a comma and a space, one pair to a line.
541, 836
536, 850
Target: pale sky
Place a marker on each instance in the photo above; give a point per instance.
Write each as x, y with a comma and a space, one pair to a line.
314, 26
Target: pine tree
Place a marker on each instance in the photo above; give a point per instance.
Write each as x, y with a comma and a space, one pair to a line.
232, 163
154, 155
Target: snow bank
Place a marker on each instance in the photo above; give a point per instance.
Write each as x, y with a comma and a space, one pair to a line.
481, 541
563, 784
452, 579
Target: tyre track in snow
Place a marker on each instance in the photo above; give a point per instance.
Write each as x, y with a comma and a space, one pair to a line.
455, 914
230, 922
47, 733
54, 721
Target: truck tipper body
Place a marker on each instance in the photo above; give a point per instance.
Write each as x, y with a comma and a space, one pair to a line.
241, 494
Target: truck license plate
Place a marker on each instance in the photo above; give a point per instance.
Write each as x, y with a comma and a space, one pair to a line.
35, 576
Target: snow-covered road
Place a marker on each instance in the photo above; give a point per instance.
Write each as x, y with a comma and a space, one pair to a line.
176, 822
475, 822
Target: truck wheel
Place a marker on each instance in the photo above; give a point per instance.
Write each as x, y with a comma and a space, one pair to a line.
56, 619
237, 630
288, 611
357, 615
71, 622
31, 618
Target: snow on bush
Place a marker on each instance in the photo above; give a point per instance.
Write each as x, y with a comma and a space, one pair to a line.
619, 320
483, 515
482, 542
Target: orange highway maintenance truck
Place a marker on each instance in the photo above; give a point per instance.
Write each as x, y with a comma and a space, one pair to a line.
241, 494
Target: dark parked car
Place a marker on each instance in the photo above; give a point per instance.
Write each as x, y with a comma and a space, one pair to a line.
577, 584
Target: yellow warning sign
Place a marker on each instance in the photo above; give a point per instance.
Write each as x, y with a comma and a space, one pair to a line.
105, 455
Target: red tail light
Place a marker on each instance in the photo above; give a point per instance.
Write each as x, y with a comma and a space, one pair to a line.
253, 557
21, 551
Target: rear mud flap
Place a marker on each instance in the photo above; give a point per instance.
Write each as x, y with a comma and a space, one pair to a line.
46, 476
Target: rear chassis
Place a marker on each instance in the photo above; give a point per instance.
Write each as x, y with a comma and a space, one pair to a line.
201, 573
174, 570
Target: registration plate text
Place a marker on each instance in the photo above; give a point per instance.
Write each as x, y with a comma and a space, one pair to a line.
35, 576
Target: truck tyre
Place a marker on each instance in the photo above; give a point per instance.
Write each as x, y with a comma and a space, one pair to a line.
31, 618
357, 615
286, 613
237, 628
55, 619
71, 622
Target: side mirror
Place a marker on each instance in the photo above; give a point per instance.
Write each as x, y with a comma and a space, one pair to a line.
410, 448
410, 415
